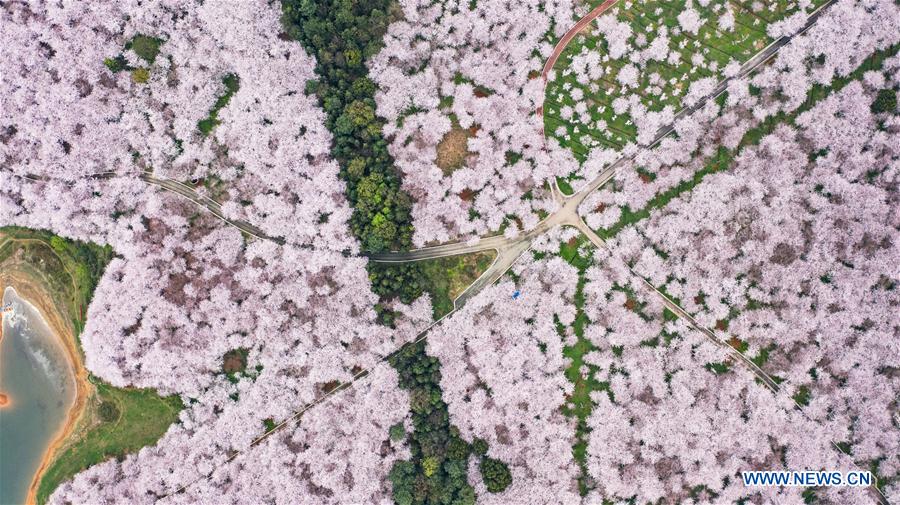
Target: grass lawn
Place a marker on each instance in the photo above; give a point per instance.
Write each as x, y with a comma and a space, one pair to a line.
724, 157
232, 83
448, 277
122, 421
70, 269
659, 84
565, 186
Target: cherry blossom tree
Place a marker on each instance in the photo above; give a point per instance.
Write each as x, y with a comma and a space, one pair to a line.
464, 60
790, 252
185, 288
502, 363
675, 414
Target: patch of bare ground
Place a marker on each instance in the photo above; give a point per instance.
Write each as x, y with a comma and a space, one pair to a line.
453, 149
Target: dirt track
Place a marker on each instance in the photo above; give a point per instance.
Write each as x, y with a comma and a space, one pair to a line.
575, 30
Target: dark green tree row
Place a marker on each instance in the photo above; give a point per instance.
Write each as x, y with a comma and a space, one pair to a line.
343, 35
436, 472
405, 280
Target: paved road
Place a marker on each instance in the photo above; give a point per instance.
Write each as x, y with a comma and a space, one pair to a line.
204, 201
568, 210
711, 335
449, 249
509, 249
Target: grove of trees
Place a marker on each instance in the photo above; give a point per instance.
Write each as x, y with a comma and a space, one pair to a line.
476, 65
343, 37
790, 251
502, 377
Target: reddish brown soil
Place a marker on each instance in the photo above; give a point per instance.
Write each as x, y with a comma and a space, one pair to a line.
233, 363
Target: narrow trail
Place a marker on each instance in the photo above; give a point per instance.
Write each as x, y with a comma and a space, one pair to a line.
561, 46
673, 306
567, 38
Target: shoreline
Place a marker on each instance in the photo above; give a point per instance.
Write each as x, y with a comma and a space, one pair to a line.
33, 291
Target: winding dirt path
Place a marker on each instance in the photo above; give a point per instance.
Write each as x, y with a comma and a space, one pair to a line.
561, 46
575, 30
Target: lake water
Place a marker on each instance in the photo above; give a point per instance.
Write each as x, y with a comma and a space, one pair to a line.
38, 379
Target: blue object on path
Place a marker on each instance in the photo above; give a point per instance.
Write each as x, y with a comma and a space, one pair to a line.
516, 295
